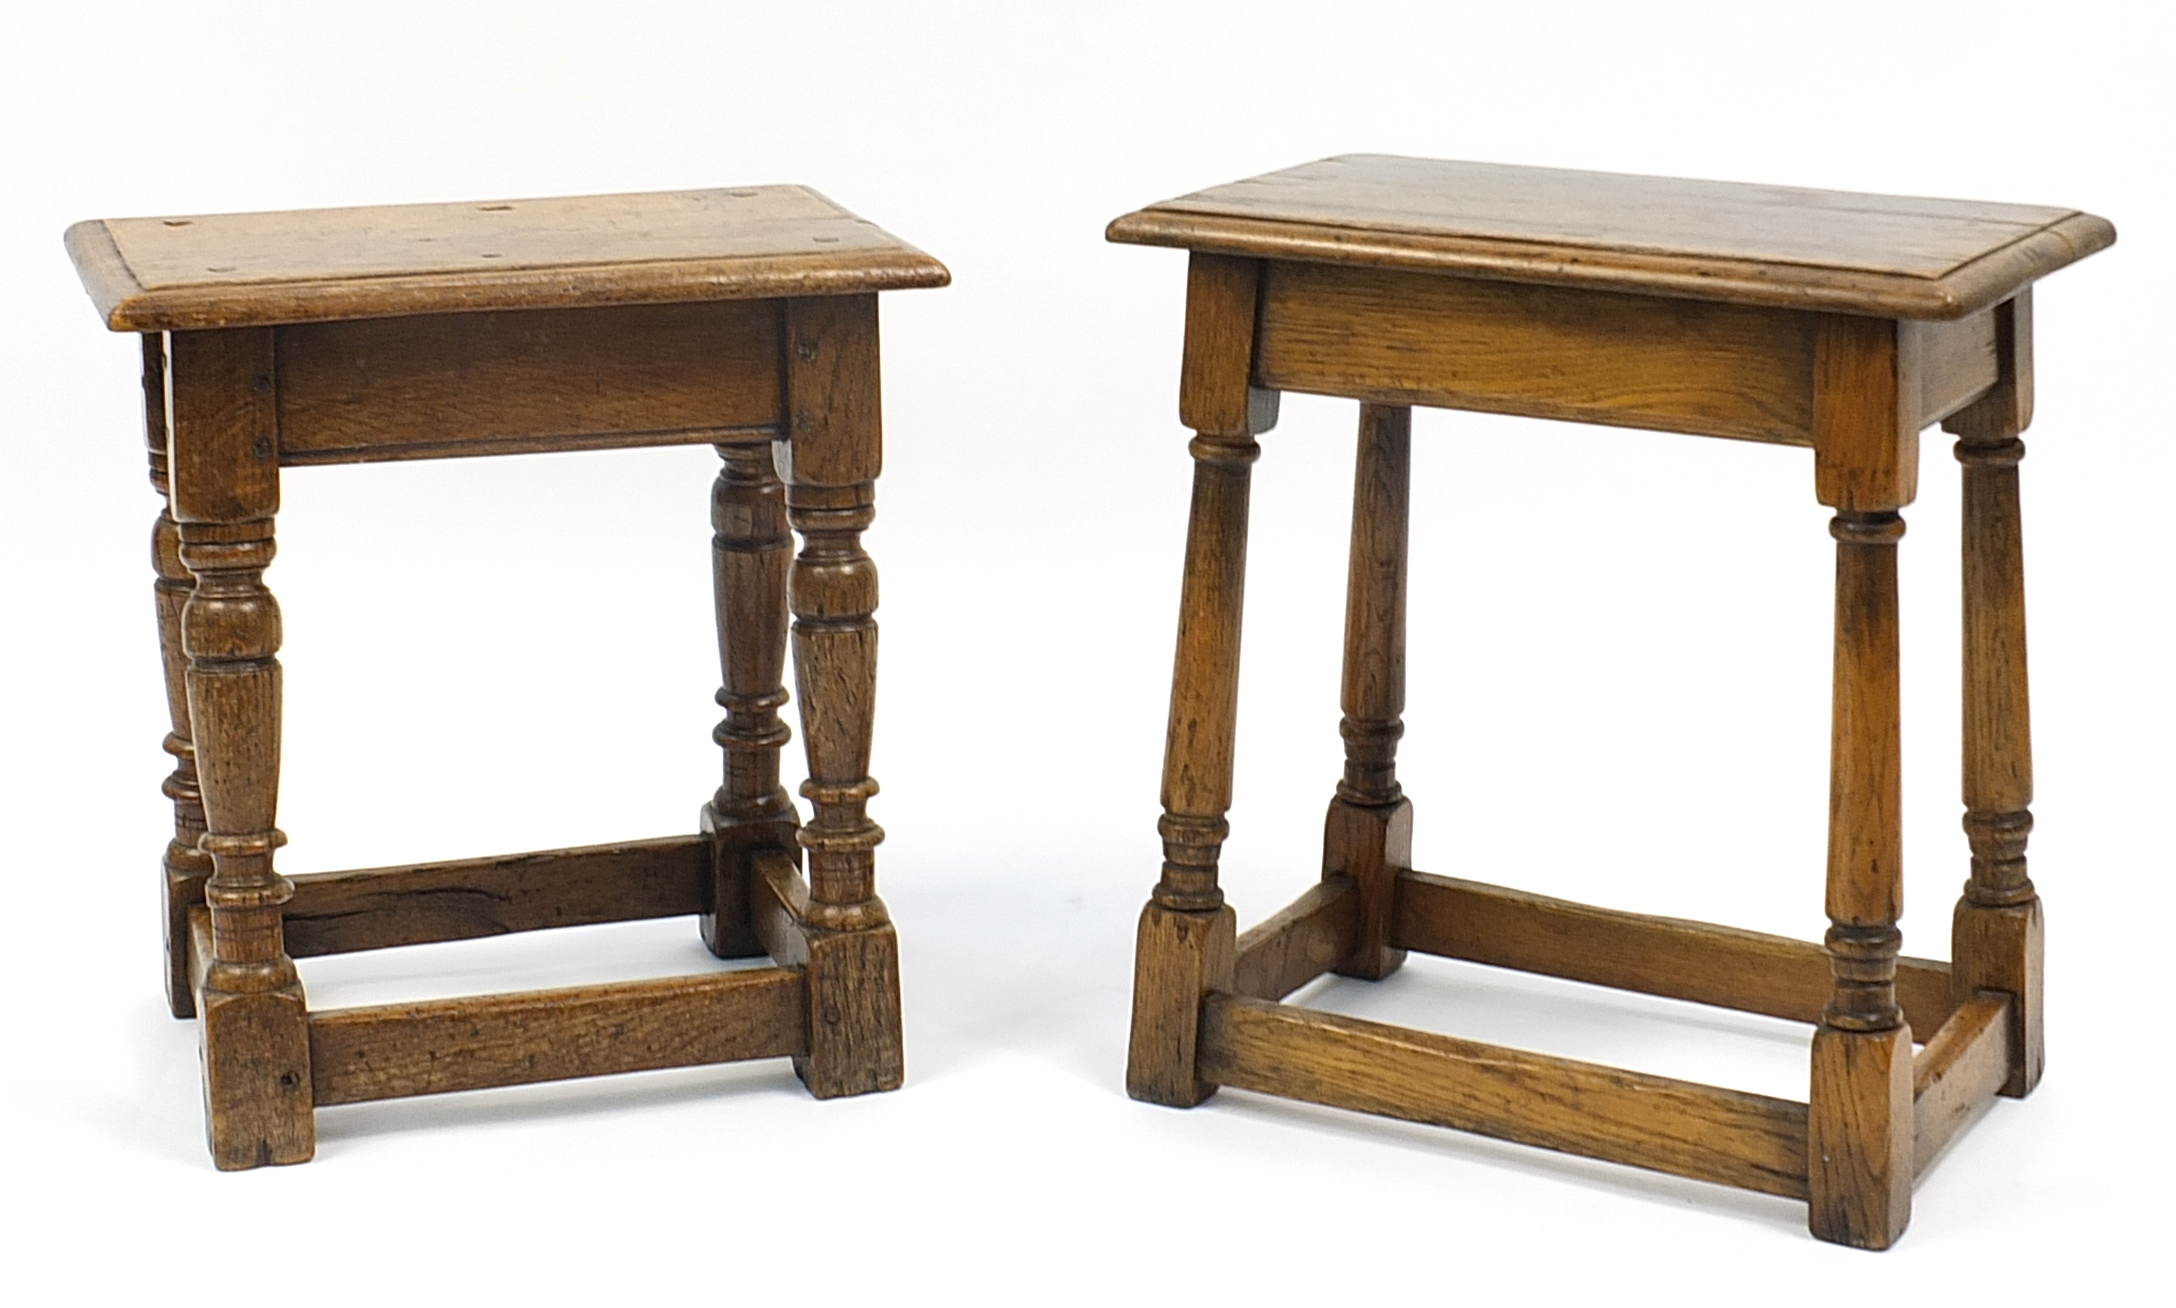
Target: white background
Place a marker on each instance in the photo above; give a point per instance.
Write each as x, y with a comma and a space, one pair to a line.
1619, 657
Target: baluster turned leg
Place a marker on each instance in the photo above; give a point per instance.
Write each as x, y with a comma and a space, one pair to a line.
835, 453
1859, 1127
226, 488
186, 866
1996, 932
751, 552
1368, 835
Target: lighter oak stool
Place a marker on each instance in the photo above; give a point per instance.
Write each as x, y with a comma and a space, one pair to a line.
1841, 322
744, 319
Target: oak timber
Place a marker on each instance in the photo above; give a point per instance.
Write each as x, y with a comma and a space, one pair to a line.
378, 908
493, 328
1282, 953
394, 1050
1958, 1073
1839, 321
1727, 1136
1697, 961
1392, 336
1784, 246
440, 385
232, 270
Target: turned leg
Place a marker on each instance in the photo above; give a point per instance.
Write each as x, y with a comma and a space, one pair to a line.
833, 459
1368, 835
225, 484
1996, 932
1187, 937
186, 866
751, 551
1186, 945
1859, 1126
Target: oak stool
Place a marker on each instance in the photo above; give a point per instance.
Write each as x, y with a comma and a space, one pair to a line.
744, 319
1841, 322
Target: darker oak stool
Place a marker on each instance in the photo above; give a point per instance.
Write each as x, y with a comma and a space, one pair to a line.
1841, 322
744, 319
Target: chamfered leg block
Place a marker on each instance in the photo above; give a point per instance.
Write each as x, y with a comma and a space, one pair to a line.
1859, 1136
1180, 957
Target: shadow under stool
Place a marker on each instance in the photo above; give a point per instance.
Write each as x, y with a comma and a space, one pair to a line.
744, 319
1844, 323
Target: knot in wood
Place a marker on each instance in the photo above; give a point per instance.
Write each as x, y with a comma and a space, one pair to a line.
1863, 528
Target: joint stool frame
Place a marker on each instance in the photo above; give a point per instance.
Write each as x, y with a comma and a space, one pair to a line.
773, 365
1395, 320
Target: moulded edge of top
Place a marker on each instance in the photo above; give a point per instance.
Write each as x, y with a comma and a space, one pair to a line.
1959, 293
128, 306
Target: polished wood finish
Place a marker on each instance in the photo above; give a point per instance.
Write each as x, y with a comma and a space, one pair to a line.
1394, 336
1728, 967
1959, 1072
380, 908
1727, 1136
1843, 323
745, 319
1998, 924
1788, 247
751, 552
1368, 835
564, 252
396, 1050
187, 867
1300, 942
512, 383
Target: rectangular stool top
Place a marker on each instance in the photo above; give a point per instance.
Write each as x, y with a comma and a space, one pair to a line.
1883, 255
315, 265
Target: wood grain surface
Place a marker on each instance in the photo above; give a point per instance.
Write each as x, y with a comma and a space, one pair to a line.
1727, 1136
378, 908
395, 1050
1390, 336
1698, 961
1893, 256
229, 270
1959, 1072
1308, 937
440, 385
